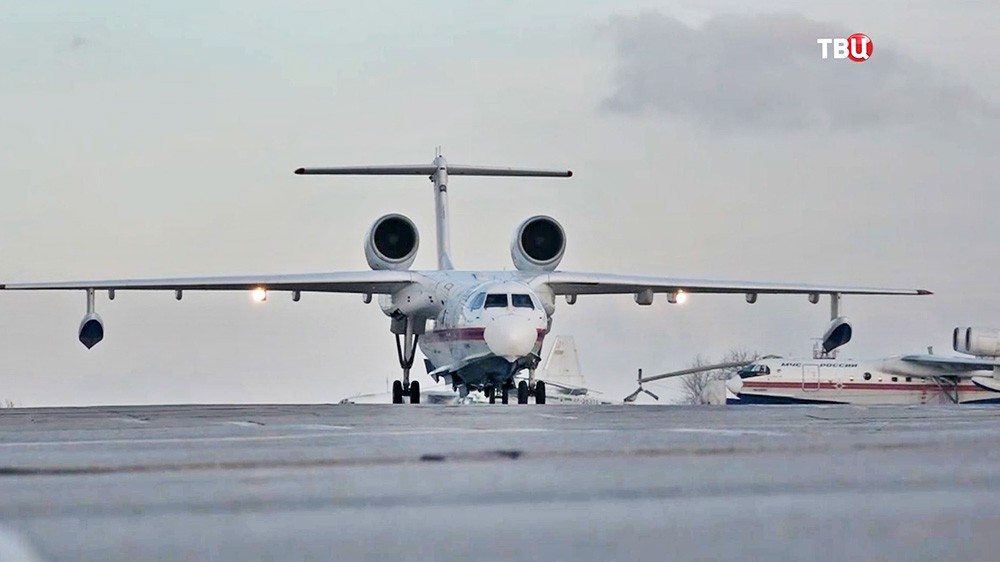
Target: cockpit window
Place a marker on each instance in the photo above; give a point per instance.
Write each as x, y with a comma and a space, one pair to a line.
477, 301
754, 371
496, 300
522, 301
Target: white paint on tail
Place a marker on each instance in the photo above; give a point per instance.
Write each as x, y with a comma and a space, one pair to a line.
562, 365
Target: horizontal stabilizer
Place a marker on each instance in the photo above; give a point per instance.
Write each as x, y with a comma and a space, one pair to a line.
421, 170
523, 172
425, 169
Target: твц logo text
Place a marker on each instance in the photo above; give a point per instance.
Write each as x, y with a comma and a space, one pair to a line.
857, 47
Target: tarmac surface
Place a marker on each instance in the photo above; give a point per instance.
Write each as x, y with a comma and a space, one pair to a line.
346, 482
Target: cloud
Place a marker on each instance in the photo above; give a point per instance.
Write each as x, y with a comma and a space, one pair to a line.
765, 71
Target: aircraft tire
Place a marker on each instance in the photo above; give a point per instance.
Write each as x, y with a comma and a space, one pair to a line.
414, 392
540, 392
505, 394
522, 392
490, 393
397, 392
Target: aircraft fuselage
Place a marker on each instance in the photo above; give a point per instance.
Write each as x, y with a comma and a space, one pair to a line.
475, 328
834, 381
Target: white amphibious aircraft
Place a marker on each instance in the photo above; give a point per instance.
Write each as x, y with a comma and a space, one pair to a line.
906, 379
476, 329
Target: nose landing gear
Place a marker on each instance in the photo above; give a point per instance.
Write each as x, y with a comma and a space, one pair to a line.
399, 391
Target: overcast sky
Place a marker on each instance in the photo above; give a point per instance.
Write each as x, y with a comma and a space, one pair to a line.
708, 139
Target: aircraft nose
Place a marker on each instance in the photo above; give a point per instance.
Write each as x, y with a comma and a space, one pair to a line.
734, 385
510, 337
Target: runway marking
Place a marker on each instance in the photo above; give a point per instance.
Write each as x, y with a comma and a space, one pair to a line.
246, 438
455, 457
723, 431
553, 416
129, 419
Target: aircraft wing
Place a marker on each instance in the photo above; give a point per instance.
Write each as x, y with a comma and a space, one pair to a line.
570, 283
362, 282
954, 366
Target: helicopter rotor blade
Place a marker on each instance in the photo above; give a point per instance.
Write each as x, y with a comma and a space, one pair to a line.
632, 397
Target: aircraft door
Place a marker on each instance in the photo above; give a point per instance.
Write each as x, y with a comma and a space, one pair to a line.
810, 378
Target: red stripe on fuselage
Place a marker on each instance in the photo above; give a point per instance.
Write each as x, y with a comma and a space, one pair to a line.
751, 384
464, 334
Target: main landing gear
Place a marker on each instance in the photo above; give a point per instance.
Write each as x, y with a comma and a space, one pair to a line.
491, 393
524, 391
406, 350
537, 388
531, 387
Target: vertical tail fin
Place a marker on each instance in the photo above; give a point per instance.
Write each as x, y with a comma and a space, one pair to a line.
563, 365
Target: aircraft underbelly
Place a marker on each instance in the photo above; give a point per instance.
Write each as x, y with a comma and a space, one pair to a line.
443, 352
466, 348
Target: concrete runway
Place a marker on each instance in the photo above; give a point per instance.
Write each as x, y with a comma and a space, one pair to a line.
324, 482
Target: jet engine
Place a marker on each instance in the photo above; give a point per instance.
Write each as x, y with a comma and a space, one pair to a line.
391, 243
838, 334
980, 342
91, 330
538, 244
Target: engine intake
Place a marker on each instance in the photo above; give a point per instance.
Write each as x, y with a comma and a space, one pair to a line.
538, 244
91, 330
838, 334
980, 342
391, 243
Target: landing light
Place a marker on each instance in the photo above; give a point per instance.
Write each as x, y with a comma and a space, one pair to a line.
682, 297
259, 294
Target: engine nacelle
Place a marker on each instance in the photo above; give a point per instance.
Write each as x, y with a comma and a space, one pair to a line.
838, 334
538, 244
980, 342
91, 330
391, 243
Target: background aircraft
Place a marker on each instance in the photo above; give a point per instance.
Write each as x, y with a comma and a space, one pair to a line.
907, 379
476, 329
564, 379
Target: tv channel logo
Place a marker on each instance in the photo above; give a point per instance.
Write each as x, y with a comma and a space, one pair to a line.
857, 47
